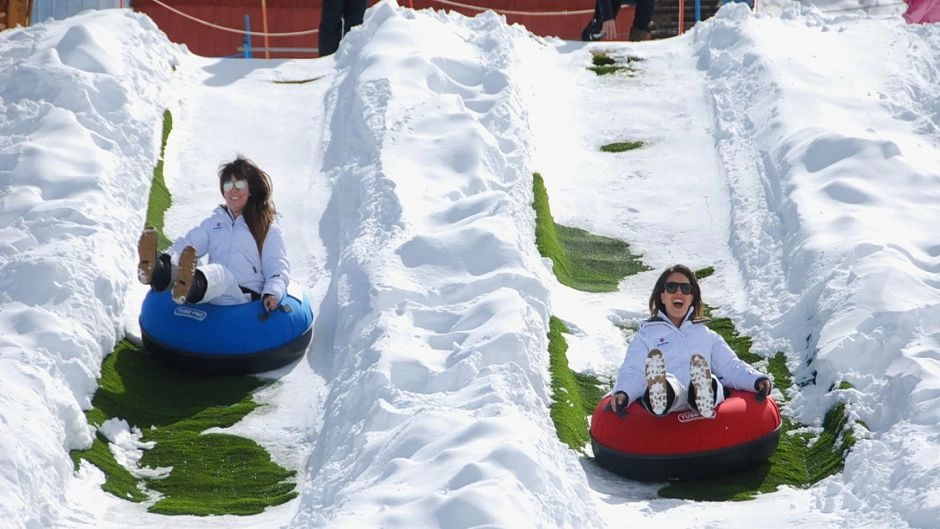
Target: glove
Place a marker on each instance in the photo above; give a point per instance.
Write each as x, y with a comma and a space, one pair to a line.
619, 409
762, 386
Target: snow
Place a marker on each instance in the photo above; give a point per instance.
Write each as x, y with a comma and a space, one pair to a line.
794, 149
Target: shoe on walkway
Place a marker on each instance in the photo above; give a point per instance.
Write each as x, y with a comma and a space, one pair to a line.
147, 255
701, 377
593, 31
637, 34
185, 276
656, 382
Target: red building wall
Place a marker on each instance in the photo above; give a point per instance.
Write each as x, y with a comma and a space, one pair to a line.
196, 24
215, 28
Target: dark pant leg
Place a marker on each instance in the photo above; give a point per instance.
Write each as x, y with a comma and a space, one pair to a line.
331, 26
603, 10
352, 14
644, 14
606, 10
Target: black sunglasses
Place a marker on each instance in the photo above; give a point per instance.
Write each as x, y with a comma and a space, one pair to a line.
672, 286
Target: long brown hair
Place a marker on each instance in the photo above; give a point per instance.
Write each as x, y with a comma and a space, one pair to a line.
259, 212
656, 302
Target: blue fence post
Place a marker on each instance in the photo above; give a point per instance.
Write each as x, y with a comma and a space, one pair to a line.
698, 10
247, 39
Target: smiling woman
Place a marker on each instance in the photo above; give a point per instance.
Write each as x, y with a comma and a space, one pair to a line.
241, 239
232, 314
684, 404
675, 362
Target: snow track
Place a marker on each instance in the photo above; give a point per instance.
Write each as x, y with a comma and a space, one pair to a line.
403, 174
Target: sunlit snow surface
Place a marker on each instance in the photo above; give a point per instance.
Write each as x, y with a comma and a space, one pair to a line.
796, 150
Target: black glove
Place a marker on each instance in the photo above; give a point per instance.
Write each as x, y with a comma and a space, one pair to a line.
762, 389
619, 410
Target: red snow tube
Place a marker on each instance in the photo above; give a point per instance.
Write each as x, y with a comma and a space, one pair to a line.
685, 445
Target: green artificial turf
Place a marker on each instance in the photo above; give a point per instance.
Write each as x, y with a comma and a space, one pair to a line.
702, 273
606, 70
581, 260
211, 473
586, 262
118, 480
574, 395
160, 199
622, 146
604, 64
300, 81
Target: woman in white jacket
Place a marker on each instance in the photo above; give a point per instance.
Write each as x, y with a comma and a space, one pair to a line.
675, 361
247, 259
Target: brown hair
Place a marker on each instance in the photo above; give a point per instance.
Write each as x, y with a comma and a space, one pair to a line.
656, 303
259, 212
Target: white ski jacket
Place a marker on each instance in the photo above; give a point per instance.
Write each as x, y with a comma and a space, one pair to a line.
678, 345
229, 242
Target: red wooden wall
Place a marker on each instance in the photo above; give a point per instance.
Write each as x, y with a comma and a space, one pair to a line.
293, 16
283, 16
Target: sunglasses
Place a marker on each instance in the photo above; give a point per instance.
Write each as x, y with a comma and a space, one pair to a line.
671, 287
241, 185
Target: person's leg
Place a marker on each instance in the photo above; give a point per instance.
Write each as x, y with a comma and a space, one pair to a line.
676, 398
705, 391
152, 269
592, 31
162, 274
660, 394
720, 393
615, 8
353, 13
221, 287
147, 261
186, 288
331, 26
642, 18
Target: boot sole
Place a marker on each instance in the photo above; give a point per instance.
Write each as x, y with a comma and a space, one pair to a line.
656, 381
147, 255
184, 275
701, 377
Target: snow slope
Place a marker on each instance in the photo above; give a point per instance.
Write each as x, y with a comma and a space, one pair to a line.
796, 153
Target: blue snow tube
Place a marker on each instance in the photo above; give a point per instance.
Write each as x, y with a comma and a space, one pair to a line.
225, 339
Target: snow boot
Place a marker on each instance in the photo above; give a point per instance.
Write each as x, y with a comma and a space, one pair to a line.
638, 34
190, 286
593, 31
704, 392
147, 255
656, 386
